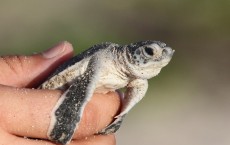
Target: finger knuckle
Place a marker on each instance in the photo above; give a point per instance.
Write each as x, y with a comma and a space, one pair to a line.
14, 63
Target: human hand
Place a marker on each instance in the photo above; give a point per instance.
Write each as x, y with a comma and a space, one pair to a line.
25, 112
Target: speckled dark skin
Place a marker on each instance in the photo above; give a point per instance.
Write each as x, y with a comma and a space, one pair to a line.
68, 117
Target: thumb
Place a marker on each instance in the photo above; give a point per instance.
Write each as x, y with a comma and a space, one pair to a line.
30, 71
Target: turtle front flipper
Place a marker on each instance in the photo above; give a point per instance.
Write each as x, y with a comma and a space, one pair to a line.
68, 111
135, 92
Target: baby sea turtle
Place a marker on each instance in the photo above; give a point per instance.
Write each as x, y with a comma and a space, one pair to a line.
103, 68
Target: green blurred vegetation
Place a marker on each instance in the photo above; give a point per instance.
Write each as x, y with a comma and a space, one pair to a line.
188, 102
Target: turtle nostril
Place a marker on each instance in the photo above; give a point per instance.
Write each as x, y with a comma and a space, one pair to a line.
167, 51
164, 52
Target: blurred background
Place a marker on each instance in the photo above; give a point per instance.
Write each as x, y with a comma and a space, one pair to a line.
188, 103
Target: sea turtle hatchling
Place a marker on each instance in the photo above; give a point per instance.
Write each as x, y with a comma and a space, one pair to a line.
103, 68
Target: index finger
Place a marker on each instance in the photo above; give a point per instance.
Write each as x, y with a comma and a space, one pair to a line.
26, 112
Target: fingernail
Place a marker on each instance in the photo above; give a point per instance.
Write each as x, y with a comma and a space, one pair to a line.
55, 51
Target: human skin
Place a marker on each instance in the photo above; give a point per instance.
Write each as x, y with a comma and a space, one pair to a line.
25, 112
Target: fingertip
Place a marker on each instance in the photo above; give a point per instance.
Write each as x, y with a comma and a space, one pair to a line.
26, 71
99, 113
45, 63
58, 50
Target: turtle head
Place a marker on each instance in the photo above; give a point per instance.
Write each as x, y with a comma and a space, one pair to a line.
146, 58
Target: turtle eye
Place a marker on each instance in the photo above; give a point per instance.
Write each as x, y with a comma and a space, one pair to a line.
149, 51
